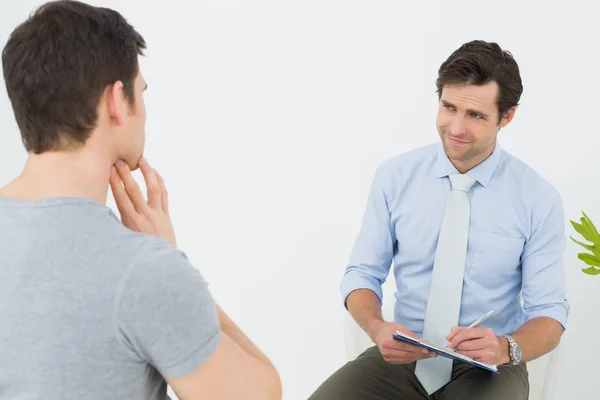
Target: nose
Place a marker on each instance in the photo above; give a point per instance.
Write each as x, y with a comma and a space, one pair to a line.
457, 126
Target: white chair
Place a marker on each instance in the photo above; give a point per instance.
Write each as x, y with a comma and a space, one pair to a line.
542, 372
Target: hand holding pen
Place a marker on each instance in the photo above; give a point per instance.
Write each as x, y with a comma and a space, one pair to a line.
480, 344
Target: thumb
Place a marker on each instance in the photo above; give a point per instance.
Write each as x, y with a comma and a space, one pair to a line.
406, 331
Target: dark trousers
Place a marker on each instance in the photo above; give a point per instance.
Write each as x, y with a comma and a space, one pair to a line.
370, 377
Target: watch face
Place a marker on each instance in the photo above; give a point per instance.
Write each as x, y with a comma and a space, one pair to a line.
517, 354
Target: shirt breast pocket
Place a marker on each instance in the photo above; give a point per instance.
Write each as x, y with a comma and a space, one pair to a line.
497, 258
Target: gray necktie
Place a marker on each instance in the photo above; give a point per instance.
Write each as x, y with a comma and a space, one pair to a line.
445, 292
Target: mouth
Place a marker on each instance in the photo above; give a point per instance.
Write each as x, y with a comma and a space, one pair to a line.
457, 142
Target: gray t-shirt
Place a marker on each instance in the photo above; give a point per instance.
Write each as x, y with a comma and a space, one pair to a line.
92, 310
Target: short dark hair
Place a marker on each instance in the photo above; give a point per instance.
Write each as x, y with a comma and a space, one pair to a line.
56, 66
478, 63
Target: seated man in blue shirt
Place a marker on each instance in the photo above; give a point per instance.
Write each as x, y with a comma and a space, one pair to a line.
469, 228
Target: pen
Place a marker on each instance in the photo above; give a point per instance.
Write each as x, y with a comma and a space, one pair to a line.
478, 322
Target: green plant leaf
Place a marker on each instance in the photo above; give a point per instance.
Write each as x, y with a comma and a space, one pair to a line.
591, 271
591, 248
588, 231
590, 235
589, 259
582, 230
584, 245
592, 228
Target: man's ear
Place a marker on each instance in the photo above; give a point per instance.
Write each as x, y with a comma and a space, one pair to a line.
508, 116
114, 97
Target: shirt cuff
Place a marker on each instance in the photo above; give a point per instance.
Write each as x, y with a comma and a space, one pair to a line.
558, 312
354, 280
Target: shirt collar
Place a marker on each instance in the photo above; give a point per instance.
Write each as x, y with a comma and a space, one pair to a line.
482, 173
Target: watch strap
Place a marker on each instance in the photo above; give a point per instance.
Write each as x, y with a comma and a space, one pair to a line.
511, 348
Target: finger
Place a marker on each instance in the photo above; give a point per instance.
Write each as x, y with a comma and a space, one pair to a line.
394, 353
402, 329
486, 359
474, 344
484, 356
409, 360
453, 332
131, 187
420, 352
403, 357
473, 354
124, 204
164, 194
469, 334
393, 344
152, 185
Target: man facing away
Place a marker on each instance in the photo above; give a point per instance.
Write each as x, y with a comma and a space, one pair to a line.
469, 229
90, 309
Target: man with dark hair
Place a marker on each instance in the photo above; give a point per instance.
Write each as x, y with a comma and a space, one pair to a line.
90, 308
469, 229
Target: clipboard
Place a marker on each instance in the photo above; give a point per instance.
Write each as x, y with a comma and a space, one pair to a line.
445, 352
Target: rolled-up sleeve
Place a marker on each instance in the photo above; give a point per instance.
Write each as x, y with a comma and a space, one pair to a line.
544, 287
373, 250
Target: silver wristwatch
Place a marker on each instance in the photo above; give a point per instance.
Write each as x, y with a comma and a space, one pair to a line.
514, 350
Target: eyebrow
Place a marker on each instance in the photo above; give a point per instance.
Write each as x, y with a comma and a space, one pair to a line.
444, 102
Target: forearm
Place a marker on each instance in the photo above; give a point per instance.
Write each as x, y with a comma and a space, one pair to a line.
535, 338
229, 328
271, 376
365, 308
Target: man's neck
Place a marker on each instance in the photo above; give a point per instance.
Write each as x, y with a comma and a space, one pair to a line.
80, 174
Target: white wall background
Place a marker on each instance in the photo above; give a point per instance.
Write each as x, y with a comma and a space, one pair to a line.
268, 118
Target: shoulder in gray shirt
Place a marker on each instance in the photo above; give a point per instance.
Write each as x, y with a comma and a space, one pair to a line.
91, 310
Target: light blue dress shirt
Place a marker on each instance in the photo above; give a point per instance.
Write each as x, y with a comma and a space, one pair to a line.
514, 262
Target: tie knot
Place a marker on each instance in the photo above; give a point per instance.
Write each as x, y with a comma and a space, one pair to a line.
461, 182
